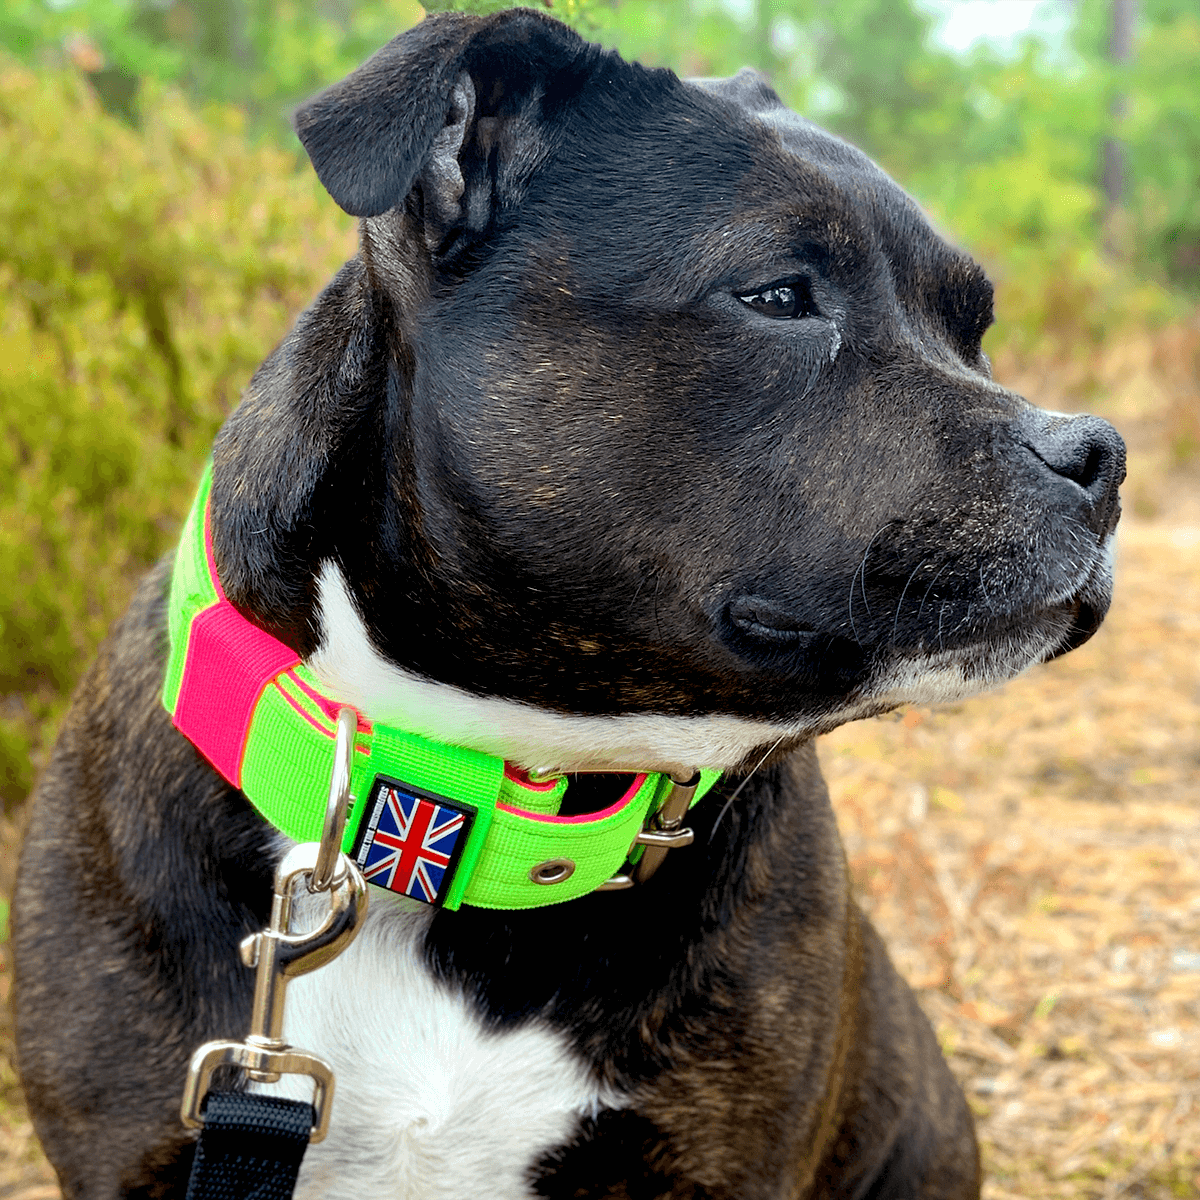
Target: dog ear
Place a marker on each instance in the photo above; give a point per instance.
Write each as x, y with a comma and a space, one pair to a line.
454, 110
409, 115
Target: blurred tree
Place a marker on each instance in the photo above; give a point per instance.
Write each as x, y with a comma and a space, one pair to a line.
262, 55
1162, 133
1034, 129
1123, 17
864, 68
1159, 127
861, 67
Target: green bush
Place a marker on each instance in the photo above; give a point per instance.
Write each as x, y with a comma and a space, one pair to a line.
143, 276
1034, 226
145, 272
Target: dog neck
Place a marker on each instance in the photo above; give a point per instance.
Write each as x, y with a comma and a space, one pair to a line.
434, 820
349, 666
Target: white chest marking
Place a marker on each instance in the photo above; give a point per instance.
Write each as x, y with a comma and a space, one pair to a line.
353, 670
428, 1104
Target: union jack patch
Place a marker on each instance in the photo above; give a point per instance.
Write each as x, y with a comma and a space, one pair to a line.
411, 841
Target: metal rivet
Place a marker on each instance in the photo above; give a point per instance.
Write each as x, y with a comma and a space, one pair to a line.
553, 870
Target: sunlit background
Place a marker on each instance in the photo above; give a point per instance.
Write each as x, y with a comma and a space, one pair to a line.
1031, 856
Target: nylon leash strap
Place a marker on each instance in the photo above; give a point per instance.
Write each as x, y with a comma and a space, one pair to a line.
251, 1147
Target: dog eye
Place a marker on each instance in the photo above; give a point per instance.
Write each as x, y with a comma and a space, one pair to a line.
782, 301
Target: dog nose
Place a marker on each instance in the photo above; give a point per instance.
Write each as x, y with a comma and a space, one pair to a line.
1091, 454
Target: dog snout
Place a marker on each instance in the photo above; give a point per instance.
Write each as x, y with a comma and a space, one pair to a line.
1090, 453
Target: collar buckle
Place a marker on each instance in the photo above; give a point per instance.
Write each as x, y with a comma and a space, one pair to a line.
663, 830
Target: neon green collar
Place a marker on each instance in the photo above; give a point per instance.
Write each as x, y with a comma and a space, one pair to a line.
440, 823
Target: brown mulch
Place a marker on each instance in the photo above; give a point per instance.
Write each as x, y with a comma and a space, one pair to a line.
1033, 859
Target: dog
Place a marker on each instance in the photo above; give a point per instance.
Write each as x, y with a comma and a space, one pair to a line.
648, 432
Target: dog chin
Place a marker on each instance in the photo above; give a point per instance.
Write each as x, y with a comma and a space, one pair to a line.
948, 675
1087, 607
350, 667
962, 672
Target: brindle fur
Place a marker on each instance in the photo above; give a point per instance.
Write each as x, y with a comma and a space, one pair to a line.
770, 1045
557, 462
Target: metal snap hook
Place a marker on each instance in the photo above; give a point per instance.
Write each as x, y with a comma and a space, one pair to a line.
279, 956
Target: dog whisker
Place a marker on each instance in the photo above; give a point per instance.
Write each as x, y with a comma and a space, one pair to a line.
941, 572
637, 591
900, 602
738, 790
983, 589
860, 577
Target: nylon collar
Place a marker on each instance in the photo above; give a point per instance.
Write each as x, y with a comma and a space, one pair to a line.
440, 823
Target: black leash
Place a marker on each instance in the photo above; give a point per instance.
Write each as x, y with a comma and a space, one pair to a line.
250, 1147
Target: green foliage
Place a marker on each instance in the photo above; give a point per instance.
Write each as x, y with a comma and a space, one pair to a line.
261, 54
847, 64
151, 262
865, 68
473, 6
148, 276
1163, 132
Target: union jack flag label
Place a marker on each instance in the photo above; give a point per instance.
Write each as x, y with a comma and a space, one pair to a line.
411, 840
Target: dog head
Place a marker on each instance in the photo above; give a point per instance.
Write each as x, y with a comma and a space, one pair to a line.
649, 427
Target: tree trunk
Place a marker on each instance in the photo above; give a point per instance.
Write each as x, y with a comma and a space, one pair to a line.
1120, 53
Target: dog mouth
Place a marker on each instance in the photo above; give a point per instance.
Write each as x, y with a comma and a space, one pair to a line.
777, 637
1085, 618
765, 621
1081, 613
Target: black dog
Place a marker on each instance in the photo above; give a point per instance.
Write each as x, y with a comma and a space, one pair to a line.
649, 430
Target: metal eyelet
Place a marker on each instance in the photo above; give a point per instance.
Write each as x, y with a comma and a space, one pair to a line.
553, 870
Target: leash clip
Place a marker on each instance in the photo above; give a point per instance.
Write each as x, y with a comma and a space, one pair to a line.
278, 957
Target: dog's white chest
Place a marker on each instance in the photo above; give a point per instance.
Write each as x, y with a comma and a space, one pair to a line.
428, 1103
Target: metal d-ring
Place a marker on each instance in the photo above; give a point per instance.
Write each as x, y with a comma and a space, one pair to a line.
325, 872
664, 830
